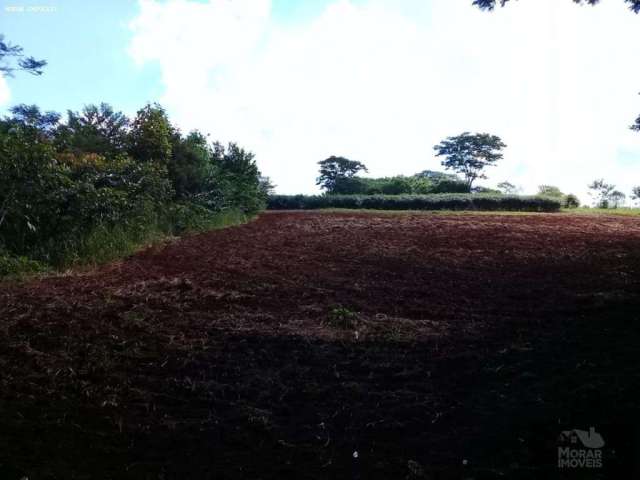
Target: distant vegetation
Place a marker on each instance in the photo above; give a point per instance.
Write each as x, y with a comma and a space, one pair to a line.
98, 184
469, 154
466, 154
465, 201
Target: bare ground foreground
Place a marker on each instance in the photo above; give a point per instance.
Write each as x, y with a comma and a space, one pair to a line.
434, 346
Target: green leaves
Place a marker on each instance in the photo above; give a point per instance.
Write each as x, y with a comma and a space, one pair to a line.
334, 169
67, 186
634, 5
469, 154
488, 202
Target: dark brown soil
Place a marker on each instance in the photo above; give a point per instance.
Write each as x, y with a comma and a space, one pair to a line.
434, 346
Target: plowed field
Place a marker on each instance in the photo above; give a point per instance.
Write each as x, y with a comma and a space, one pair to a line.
315, 345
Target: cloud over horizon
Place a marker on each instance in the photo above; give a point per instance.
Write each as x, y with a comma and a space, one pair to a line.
382, 82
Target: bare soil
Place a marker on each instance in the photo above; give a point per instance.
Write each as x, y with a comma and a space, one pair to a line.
314, 345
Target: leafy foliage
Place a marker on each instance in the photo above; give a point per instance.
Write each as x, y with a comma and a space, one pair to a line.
190, 166
150, 136
490, 4
550, 191
617, 199
399, 185
76, 190
571, 201
12, 59
334, 169
469, 154
97, 129
507, 188
601, 192
415, 202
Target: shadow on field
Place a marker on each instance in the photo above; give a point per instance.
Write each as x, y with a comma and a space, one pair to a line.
414, 352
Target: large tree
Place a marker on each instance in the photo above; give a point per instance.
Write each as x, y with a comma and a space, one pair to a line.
469, 154
335, 168
507, 188
601, 192
12, 59
150, 135
490, 4
190, 165
550, 191
96, 129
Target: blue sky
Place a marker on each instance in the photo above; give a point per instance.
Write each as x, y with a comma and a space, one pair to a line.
380, 81
85, 43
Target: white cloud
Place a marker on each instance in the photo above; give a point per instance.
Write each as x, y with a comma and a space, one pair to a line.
383, 81
5, 94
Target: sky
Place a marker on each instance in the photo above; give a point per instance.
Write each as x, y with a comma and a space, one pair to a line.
379, 81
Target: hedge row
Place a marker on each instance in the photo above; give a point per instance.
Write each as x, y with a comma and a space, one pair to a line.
416, 202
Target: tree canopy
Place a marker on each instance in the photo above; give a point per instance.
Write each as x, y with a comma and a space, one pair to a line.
507, 188
12, 59
469, 154
491, 4
334, 168
550, 191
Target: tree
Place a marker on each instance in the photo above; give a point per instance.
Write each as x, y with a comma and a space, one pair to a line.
507, 188
617, 198
469, 154
190, 163
550, 191
490, 4
41, 125
635, 193
9, 53
571, 201
267, 187
150, 136
601, 192
238, 177
97, 129
334, 168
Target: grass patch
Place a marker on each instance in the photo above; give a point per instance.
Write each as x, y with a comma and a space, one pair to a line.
14, 267
106, 243
604, 211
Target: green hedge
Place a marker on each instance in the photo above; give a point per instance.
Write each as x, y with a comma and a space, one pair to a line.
416, 202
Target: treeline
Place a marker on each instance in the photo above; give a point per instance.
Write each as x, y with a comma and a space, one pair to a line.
99, 183
463, 201
423, 183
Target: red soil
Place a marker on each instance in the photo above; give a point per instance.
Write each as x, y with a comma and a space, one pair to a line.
279, 348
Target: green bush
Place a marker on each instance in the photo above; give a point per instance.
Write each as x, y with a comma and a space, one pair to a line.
416, 202
92, 190
398, 185
571, 201
12, 265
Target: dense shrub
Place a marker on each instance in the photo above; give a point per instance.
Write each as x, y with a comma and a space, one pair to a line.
416, 202
571, 201
99, 185
398, 185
